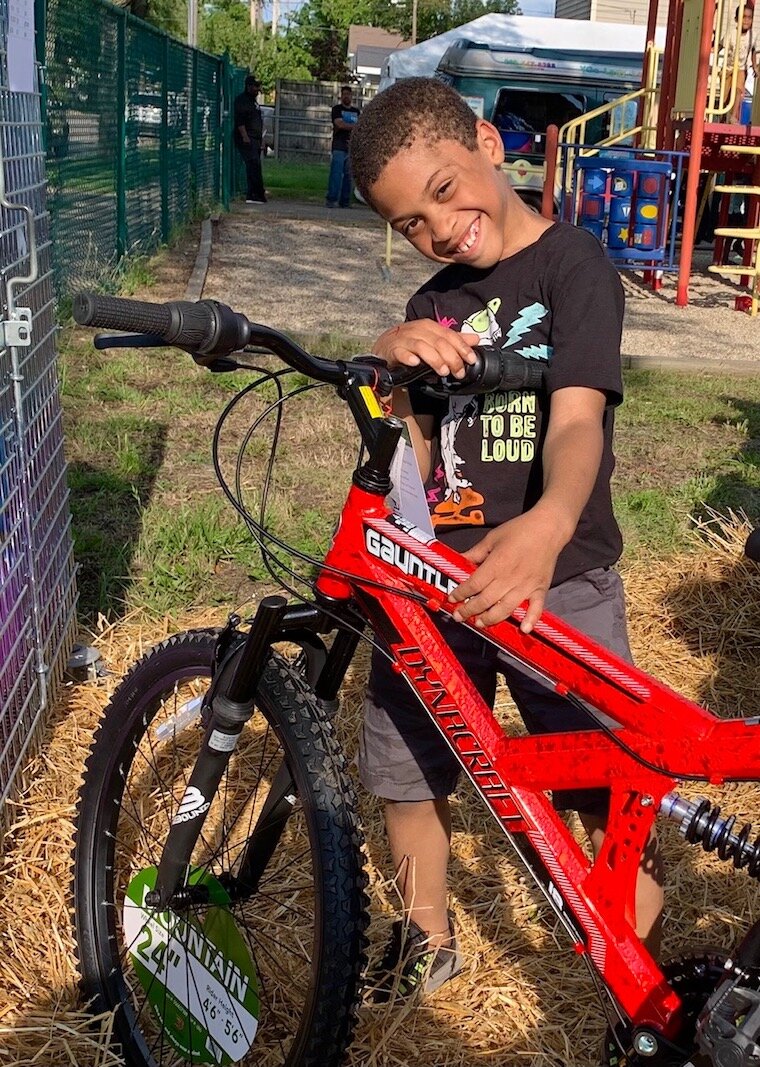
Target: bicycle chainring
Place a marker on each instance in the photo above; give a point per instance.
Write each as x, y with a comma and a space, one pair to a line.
693, 977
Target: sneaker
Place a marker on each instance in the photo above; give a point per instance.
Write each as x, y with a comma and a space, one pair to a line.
330, 203
252, 201
408, 966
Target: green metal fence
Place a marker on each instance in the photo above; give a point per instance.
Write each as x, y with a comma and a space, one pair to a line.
138, 134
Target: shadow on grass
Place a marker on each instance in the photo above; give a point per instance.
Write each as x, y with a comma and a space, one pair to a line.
106, 509
738, 487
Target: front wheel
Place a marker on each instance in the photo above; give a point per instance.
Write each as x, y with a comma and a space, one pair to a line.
266, 975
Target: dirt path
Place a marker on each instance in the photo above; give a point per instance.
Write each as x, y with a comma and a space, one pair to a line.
303, 268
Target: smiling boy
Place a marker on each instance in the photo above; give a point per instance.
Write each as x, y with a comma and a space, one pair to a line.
519, 482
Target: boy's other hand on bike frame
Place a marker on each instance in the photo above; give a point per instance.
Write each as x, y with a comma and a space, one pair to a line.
424, 341
515, 562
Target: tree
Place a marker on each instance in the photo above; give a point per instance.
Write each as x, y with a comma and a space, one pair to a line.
437, 16
321, 28
169, 15
225, 26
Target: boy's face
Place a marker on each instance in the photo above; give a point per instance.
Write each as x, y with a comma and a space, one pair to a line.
747, 19
449, 202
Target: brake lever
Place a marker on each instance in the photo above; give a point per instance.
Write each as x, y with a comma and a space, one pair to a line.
127, 340
101, 341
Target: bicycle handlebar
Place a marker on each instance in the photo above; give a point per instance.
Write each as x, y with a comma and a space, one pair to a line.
210, 331
205, 328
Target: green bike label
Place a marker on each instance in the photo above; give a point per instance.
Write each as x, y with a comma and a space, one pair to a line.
196, 972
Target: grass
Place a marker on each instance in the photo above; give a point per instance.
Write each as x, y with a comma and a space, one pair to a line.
296, 181
152, 530
685, 443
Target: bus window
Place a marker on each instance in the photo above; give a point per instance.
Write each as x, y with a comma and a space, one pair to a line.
522, 116
619, 120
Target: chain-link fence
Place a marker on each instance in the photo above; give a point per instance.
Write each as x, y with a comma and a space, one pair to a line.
37, 589
137, 131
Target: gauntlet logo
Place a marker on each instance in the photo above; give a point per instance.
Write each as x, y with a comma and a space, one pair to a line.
383, 548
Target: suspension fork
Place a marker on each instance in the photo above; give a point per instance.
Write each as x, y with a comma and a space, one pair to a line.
232, 705
231, 708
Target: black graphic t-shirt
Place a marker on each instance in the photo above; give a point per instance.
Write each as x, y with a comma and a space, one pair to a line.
341, 138
559, 301
248, 113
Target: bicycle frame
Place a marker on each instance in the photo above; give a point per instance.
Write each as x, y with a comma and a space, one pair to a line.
594, 900
383, 570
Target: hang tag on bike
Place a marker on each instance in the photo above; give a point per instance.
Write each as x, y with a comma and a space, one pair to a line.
407, 498
196, 970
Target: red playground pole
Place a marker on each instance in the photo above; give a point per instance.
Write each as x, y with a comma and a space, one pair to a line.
695, 154
550, 164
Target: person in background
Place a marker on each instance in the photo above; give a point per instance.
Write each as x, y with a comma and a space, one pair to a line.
344, 116
749, 62
249, 131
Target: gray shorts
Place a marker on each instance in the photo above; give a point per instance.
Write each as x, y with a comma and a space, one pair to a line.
402, 755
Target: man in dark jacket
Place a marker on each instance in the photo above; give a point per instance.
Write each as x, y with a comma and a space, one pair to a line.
249, 129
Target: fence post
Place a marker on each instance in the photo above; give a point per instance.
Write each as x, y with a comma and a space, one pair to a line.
122, 238
194, 130
225, 105
164, 162
40, 44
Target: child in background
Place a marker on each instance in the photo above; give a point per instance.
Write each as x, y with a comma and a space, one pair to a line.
748, 65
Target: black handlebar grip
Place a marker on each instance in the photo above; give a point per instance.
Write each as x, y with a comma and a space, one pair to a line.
520, 373
117, 313
178, 322
195, 326
496, 370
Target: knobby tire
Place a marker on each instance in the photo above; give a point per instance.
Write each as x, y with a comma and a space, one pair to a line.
304, 928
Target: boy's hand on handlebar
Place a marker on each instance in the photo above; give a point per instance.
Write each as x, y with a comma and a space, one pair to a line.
424, 341
515, 562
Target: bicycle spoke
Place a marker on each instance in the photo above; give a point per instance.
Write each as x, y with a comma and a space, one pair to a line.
270, 934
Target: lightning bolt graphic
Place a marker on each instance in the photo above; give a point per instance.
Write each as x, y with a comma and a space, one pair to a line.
527, 318
535, 352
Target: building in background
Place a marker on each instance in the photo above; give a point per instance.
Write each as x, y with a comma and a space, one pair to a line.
633, 11
368, 51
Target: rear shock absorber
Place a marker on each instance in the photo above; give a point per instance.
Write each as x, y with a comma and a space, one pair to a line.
702, 824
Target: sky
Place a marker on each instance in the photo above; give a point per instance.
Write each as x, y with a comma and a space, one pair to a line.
539, 8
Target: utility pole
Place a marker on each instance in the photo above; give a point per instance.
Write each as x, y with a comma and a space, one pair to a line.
192, 23
414, 22
275, 17
255, 14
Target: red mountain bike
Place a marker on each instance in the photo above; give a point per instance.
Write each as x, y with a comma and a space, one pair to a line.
220, 904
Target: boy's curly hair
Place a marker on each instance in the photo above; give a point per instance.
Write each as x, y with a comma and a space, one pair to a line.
395, 118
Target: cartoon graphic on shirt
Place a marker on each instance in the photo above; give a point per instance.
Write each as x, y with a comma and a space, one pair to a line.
461, 502
507, 420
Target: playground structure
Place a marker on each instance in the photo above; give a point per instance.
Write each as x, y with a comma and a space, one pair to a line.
690, 121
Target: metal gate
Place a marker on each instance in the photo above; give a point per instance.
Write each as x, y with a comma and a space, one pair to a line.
37, 587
